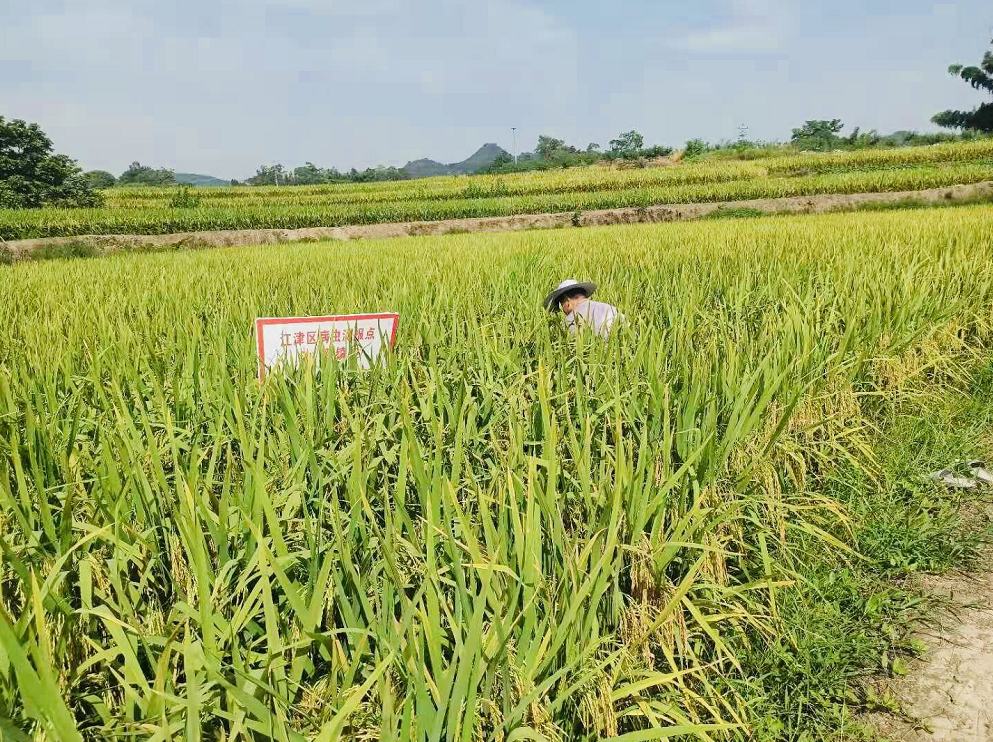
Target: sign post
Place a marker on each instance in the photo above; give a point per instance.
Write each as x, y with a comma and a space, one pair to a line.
290, 339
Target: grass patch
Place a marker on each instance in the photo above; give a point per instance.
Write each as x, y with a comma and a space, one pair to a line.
736, 212
918, 203
64, 251
852, 619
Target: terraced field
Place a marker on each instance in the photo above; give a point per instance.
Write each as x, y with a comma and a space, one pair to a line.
150, 211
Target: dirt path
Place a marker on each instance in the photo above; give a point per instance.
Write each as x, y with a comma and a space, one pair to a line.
948, 694
818, 204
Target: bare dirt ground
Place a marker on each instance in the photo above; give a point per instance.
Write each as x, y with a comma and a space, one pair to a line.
948, 694
818, 204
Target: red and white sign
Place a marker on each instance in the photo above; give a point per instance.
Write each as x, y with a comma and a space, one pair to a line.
289, 339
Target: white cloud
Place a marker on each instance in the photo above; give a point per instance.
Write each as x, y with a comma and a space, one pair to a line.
360, 55
753, 8
225, 84
944, 11
730, 40
752, 26
340, 8
86, 36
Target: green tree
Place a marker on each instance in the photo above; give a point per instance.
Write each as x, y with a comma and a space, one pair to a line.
269, 175
629, 141
309, 174
695, 148
503, 162
550, 146
980, 78
818, 129
142, 175
818, 134
592, 148
32, 176
378, 174
100, 179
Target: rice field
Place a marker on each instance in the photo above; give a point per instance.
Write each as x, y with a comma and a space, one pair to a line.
150, 211
502, 532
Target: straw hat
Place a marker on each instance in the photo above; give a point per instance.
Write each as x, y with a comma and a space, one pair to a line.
567, 286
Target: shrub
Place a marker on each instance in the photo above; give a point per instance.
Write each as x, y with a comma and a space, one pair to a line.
695, 148
100, 179
185, 198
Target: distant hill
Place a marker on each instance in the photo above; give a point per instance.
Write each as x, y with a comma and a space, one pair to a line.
201, 181
481, 158
426, 169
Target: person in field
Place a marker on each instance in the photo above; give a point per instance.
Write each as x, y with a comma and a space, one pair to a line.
573, 298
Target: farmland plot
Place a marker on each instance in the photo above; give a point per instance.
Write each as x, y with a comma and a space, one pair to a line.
503, 531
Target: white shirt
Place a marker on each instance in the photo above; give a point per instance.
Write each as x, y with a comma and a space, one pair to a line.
596, 315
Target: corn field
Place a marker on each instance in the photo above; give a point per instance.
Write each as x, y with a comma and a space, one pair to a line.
149, 210
501, 532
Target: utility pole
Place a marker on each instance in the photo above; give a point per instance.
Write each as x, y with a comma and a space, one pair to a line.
514, 130
742, 132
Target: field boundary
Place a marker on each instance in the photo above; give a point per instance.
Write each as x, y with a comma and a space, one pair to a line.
945, 695
814, 204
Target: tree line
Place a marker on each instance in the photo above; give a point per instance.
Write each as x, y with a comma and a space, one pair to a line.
311, 174
551, 153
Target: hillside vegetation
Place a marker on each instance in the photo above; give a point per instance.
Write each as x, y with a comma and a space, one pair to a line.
201, 181
479, 160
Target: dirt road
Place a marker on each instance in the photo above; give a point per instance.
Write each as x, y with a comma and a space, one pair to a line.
948, 694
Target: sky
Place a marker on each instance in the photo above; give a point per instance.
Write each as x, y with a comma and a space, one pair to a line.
222, 86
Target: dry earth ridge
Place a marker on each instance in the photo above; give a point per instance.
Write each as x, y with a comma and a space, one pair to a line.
817, 204
948, 694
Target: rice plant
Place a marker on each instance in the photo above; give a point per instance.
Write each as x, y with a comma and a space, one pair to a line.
293, 208
503, 532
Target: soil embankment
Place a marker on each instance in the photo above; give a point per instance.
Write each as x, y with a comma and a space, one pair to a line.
816, 204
